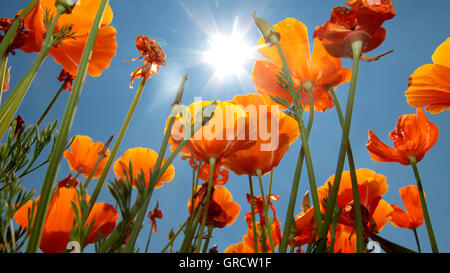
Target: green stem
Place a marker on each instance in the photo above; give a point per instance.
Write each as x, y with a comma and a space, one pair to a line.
208, 238
267, 226
12, 103
50, 105
252, 203
296, 183
69, 113
360, 245
175, 236
9, 36
426, 215
417, 240
331, 201
212, 164
149, 237
117, 143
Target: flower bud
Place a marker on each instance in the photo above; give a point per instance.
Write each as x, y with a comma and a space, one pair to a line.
68, 5
266, 29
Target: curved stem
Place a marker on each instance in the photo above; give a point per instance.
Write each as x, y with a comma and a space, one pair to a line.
208, 238
50, 105
149, 237
426, 215
174, 237
331, 201
360, 244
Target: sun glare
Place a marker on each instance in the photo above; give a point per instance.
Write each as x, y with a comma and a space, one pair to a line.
228, 54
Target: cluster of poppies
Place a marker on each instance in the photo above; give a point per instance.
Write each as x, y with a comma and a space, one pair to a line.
233, 137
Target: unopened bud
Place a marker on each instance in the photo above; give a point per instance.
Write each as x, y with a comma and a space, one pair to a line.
68, 5
268, 32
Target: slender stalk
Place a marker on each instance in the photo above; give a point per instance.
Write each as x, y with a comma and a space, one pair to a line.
417, 240
208, 238
331, 201
61, 139
149, 237
9, 36
101, 155
117, 143
296, 183
12, 103
268, 226
50, 105
360, 245
252, 203
212, 164
426, 215
175, 236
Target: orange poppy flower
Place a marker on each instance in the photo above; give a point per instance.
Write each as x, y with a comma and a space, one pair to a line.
319, 69
272, 142
223, 135
414, 135
68, 51
68, 78
142, 160
222, 211
305, 225
60, 220
371, 187
345, 240
360, 22
220, 176
429, 85
259, 208
83, 156
275, 230
412, 218
153, 55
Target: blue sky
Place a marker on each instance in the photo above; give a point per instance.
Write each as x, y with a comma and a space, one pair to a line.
183, 28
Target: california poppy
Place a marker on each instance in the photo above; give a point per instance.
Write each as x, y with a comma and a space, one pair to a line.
67, 78
319, 69
83, 156
68, 51
275, 230
154, 56
60, 220
273, 132
223, 135
222, 210
414, 135
375, 212
429, 85
362, 21
142, 160
153, 215
305, 226
412, 218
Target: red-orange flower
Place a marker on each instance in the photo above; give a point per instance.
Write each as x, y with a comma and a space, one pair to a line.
429, 85
154, 57
222, 210
319, 69
306, 226
222, 136
142, 160
68, 51
19, 38
362, 21
273, 132
220, 176
83, 156
67, 78
60, 220
375, 212
412, 218
153, 215
414, 135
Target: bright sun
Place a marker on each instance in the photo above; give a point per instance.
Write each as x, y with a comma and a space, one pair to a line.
228, 54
